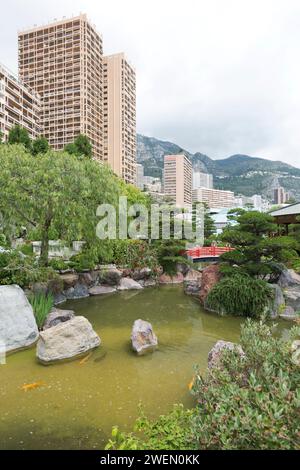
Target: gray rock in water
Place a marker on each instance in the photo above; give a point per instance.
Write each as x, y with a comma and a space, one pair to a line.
57, 316
18, 328
79, 291
100, 290
292, 297
289, 278
289, 314
215, 354
143, 338
66, 341
127, 283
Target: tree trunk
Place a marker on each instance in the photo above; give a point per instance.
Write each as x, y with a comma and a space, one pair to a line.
45, 242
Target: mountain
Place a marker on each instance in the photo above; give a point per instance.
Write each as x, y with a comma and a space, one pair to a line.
239, 173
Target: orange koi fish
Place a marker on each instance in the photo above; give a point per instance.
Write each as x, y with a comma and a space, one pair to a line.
32, 386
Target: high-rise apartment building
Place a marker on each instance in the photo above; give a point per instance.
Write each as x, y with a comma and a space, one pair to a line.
178, 179
18, 105
63, 62
214, 198
119, 87
202, 180
280, 196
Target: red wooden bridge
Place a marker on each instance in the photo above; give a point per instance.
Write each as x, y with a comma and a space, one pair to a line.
207, 253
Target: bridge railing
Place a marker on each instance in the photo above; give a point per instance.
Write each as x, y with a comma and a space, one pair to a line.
206, 251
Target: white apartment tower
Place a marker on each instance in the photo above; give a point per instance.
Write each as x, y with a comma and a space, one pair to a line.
178, 179
120, 116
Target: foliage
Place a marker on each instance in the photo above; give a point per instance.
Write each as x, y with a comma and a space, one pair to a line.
135, 254
81, 147
169, 253
40, 145
240, 295
247, 402
168, 432
256, 252
250, 402
54, 191
16, 268
19, 135
42, 305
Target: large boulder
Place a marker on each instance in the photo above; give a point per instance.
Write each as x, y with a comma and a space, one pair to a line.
210, 277
175, 279
101, 290
143, 338
66, 341
127, 283
69, 280
111, 276
79, 291
292, 297
18, 328
289, 314
141, 274
192, 282
289, 278
57, 316
215, 354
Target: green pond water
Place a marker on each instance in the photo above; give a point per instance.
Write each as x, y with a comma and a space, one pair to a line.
79, 403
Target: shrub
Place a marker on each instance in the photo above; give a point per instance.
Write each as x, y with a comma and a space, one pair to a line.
168, 432
135, 254
42, 305
250, 402
169, 254
16, 268
240, 295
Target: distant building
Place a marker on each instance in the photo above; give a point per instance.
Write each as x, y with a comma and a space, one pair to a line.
119, 83
63, 62
202, 180
153, 186
178, 179
140, 176
280, 196
19, 104
255, 201
214, 198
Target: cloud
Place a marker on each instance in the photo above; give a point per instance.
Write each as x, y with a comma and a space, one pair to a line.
216, 77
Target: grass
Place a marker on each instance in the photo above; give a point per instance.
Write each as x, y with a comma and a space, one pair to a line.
42, 305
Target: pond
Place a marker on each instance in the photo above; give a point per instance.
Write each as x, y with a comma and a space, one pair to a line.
78, 403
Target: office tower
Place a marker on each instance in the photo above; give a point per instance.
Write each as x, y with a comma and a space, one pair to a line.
63, 62
120, 116
280, 196
18, 105
214, 198
202, 180
178, 179
140, 176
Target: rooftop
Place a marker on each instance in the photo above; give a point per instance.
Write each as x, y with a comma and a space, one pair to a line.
293, 209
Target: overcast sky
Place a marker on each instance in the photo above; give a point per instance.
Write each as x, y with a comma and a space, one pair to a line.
215, 76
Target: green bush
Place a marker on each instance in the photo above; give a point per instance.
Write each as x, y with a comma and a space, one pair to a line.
42, 305
16, 268
134, 254
250, 402
169, 432
58, 264
240, 295
247, 402
170, 253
